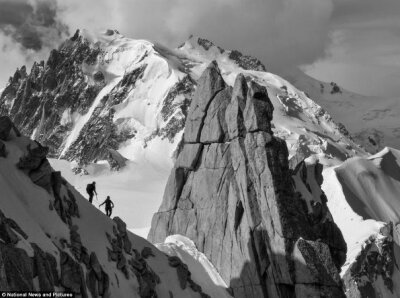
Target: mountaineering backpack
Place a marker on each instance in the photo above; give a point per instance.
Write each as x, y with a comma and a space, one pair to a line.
89, 188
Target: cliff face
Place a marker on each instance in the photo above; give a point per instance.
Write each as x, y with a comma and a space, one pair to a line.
60, 86
231, 192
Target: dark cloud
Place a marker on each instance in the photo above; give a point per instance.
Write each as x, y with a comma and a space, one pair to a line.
30, 23
14, 12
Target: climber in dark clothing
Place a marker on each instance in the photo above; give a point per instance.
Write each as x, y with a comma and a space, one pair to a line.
109, 206
91, 190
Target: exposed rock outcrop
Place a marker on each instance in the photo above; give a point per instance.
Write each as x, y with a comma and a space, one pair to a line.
231, 192
39, 100
16, 267
184, 276
375, 262
307, 178
130, 261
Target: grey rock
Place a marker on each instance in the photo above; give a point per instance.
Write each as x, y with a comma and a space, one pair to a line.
42, 175
147, 252
46, 268
35, 157
234, 113
210, 83
127, 244
95, 265
112, 256
189, 156
16, 267
121, 261
214, 126
258, 111
104, 285
76, 243
3, 150
6, 126
308, 271
71, 274
92, 284
376, 261
174, 261
121, 225
183, 275
237, 201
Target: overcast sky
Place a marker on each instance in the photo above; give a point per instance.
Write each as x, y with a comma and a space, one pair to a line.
353, 42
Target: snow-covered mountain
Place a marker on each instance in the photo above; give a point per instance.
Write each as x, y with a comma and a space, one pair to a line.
104, 102
372, 121
107, 97
54, 239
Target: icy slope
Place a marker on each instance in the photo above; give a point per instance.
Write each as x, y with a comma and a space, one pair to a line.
363, 197
372, 121
51, 222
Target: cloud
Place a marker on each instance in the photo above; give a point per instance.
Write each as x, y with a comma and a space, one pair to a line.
365, 49
33, 24
279, 32
29, 29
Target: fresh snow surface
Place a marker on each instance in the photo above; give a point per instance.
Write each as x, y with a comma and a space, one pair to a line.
362, 115
199, 266
355, 229
28, 205
136, 190
363, 194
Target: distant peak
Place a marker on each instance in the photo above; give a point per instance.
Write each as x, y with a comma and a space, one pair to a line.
95, 36
110, 32
210, 49
206, 44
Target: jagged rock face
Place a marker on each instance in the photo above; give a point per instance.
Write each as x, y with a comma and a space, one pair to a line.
48, 103
307, 178
375, 261
231, 193
51, 88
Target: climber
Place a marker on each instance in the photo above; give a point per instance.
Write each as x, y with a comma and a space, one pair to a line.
91, 190
109, 206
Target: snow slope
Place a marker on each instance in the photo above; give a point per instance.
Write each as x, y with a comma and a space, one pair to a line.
135, 190
363, 195
372, 121
28, 205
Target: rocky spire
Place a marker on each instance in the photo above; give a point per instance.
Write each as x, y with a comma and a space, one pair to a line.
231, 192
